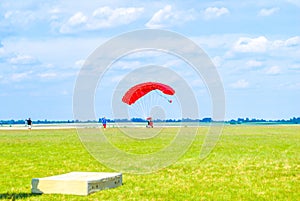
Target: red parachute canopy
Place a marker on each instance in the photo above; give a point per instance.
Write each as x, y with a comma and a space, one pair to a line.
140, 90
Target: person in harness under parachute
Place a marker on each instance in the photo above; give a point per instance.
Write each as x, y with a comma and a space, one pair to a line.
140, 90
150, 122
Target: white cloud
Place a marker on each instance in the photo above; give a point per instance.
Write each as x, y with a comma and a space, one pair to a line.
17, 77
127, 65
79, 63
291, 85
267, 12
245, 44
23, 60
240, 84
103, 17
55, 10
77, 19
167, 17
295, 67
214, 12
47, 75
253, 63
117, 78
289, 47
274, 70
290, 42
106, 17
75, 22
217, 60
20, 18
54, 13
277, 44
294, 41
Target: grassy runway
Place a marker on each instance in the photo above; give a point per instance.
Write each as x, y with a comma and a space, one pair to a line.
248, 163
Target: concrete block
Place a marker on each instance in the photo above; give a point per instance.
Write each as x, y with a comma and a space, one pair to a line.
76, 183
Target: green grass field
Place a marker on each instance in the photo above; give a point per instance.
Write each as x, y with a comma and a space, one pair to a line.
248, 163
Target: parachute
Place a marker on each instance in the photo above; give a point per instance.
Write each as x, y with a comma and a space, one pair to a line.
140, 90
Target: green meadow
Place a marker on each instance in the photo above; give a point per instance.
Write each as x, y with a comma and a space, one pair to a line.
248, 163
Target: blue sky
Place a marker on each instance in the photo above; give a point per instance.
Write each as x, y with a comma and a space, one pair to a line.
254, 45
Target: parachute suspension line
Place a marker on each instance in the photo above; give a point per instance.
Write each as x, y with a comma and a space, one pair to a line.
137, 109
134, 111
152, 102
163, 96
156, 100
141, 107
148, 104
144, 102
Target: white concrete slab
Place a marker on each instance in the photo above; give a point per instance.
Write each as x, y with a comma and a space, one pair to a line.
76, 183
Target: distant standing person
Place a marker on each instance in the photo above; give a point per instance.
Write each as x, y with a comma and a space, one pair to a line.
29, 123
104, 122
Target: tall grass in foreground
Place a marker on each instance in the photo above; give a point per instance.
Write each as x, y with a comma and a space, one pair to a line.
248, 163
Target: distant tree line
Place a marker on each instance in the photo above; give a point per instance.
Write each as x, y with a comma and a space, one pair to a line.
12, 121
293, 120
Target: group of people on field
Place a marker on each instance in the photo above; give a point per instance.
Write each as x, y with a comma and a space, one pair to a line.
149, 122
102, 120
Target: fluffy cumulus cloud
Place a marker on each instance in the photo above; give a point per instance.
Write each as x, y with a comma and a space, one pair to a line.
261, 45
77, 19
274, 70
18, 77
54, 12
20, 18
79, 63
103, 17
245, 44
268, 11
294, 41
168, 17
214, 12
74, 23
217, 60
290, 46
107, 17
23, 60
